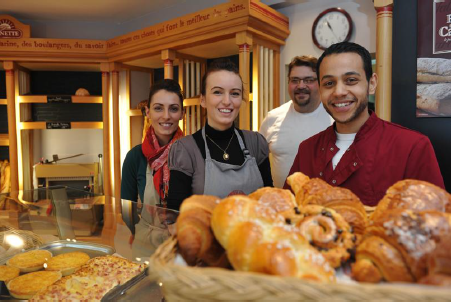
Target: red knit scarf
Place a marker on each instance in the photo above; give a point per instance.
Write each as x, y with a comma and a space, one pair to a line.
157, 159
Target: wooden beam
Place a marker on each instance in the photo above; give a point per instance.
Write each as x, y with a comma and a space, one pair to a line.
10, 70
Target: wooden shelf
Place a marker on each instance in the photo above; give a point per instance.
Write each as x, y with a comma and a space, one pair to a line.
192, 101
75, 99
74, 125
4, 140
3, 101
134, 113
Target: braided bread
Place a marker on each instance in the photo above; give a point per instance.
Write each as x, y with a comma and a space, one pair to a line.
342, 200
415, 195
257, 238
196, 241
399, 244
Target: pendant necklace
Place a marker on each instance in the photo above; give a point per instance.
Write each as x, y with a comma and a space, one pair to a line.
226, 156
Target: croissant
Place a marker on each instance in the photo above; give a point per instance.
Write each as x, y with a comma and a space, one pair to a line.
377, 260
408, 242
415, 195
196, 241
342, 200
257, 238
326, 230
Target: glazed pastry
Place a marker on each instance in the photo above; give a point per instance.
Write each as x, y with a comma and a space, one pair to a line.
415, 195
258, 238
196, 241
414, 235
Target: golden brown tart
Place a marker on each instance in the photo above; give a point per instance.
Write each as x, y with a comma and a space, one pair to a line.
26, 286
67, 263
30, 261
8, 272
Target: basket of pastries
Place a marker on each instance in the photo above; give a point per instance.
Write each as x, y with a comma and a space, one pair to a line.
320, 244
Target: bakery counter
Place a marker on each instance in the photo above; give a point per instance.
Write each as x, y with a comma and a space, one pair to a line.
65, 220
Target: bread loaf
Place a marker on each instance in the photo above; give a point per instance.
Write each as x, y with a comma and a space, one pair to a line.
196, 242
257, 238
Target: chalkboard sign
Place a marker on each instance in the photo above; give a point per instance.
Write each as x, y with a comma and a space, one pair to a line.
59, 99
58, 125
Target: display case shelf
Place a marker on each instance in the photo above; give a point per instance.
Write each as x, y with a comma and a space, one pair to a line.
74, 125
3, 101
74, 99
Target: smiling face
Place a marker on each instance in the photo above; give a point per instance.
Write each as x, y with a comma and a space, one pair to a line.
344, 90
305, 96
164, 113
223, 98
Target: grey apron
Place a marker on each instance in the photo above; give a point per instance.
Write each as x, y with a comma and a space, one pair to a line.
223, 179
149, 231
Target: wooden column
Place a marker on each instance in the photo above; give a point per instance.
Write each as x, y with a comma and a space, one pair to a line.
384, 19
107, 175
244, 41
168, 55
10, 69
115, 69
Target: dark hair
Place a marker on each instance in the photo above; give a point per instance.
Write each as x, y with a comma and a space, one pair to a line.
348, 47
219, 65
308, 61
169, 85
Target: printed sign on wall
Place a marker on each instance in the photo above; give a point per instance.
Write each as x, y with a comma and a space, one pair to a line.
434, 58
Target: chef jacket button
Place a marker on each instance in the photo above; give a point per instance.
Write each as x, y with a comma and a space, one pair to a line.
334, 181
320, 174
322, 148
331, 148
355, 164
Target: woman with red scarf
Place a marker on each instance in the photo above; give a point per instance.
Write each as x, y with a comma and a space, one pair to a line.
145, 169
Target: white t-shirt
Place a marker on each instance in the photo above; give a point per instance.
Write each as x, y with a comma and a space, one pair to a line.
284, 129
343, 142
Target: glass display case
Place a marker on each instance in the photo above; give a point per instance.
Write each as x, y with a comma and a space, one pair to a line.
62, 219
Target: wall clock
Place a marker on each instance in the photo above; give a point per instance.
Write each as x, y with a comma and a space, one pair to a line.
331, 26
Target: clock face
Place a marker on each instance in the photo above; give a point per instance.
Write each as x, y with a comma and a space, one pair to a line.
332, 26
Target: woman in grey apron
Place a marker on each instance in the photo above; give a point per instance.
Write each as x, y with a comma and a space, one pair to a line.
145, 172
219, 159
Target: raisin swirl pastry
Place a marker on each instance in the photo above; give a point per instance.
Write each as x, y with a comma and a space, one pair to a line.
326, 230
342, 200
257, 238
403, 242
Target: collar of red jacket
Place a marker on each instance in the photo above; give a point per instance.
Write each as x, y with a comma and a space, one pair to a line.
363, 131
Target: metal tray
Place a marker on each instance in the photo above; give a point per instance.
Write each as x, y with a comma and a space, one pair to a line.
93, 250
121, 290
65, 246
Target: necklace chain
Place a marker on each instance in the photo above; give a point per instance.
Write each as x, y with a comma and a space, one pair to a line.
226, 156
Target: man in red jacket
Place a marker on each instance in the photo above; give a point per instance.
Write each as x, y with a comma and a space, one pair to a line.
360, 151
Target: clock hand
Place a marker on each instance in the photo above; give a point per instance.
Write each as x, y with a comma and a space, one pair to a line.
330, 27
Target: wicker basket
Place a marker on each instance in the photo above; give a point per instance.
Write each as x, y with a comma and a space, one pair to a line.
30, 239
183, 283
